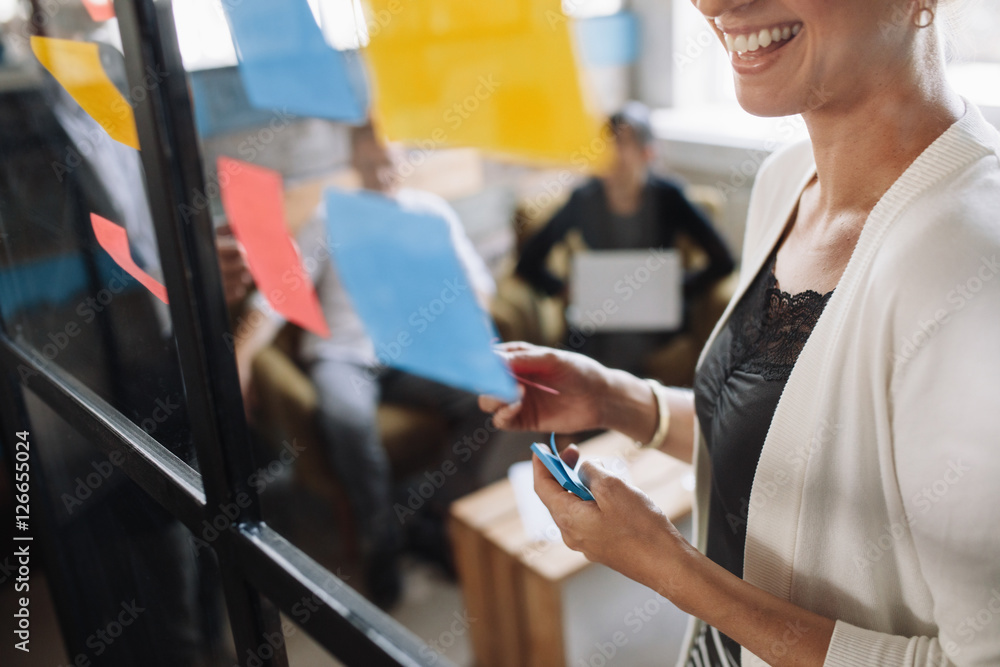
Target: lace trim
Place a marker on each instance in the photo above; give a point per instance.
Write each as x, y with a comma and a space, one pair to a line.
770, 327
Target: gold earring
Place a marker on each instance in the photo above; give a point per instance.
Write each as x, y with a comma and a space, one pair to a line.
919, 20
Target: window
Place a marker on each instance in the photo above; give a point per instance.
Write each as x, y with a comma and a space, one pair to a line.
203, 35
582, 9
127, 524
974, 51
205, 42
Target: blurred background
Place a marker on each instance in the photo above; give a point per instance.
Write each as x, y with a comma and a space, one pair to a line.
476, 555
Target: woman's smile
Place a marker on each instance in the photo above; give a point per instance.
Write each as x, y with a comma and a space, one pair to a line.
752, 48
745, 41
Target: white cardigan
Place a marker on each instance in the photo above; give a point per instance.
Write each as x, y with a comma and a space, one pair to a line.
876, 501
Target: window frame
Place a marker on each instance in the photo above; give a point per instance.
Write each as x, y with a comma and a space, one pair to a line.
262, 572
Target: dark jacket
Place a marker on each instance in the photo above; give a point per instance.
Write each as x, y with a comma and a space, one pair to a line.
663, 212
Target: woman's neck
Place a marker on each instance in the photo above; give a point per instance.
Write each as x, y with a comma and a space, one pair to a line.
862, 149
860, 152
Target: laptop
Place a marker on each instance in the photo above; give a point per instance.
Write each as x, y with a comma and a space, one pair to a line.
626, 290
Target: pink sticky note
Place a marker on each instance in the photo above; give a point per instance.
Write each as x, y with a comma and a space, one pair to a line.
254, 201
547, 390
114, 240
99, 10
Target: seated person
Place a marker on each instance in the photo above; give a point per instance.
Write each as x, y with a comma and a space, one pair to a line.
627, 208
350, 381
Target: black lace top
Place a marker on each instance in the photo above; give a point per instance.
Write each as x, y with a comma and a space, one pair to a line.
736, 393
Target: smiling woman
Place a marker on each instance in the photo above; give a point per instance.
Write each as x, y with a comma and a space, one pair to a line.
703, 77
844, 390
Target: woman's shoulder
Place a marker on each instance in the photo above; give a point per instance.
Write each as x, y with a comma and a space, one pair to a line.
942, 256
954, 216
945, 240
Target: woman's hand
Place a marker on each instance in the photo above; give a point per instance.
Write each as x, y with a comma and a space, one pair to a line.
590, 396
581, 382
621, 528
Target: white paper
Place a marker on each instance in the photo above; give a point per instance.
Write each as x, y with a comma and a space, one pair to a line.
627, 290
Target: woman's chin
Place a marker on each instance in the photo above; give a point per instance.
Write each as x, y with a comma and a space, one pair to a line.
766, 103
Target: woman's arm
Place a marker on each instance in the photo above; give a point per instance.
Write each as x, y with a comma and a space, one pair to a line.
775, 630
631, 408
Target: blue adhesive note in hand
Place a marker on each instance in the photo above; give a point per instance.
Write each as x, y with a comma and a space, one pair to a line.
567, 477
403, 276
286, 64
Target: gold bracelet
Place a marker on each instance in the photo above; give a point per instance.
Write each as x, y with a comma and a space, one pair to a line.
663, 423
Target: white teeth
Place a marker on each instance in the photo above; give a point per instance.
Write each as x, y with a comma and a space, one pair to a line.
760, 40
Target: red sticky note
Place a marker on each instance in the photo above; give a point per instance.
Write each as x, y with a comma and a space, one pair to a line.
114, 240
99, 10
254, 200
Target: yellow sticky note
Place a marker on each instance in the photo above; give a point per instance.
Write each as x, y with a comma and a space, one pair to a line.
77, 67
500, 75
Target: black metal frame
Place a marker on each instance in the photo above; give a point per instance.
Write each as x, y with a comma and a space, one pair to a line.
262, 572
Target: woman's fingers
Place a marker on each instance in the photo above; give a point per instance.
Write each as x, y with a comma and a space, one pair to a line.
590, 473
570, 455
525, 359
505, 416
601, 483
551, 493
490, 404
503, 412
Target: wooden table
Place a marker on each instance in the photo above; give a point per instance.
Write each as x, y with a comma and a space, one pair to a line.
512, 585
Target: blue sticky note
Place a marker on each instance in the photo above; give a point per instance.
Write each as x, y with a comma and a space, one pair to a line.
408, 287
286, 64
567, 477
609, 40
221, 105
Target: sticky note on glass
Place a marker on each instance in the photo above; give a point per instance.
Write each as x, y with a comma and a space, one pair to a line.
114, 239
405, 280
567, 477
77, 68
499, 75
608, 41
285, 62
100, 10
254, 200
